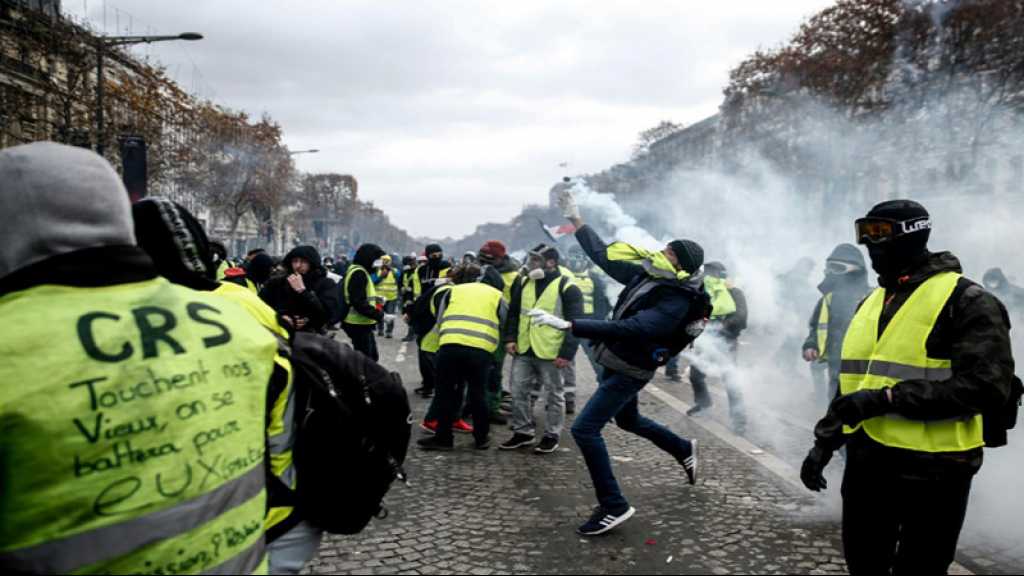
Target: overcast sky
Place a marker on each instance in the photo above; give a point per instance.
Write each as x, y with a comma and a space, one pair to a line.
451, 114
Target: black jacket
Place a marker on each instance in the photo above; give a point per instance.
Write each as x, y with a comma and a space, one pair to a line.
319, 303
650, 316
572, 308
973, 332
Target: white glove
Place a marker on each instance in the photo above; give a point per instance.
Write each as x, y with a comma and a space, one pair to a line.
388, 318
378, 263
542, 318
567, 203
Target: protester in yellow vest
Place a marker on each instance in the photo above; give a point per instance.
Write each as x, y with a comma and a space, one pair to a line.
178, 246
494, 254
926, 355
387, 280
540, 351
365, 308
133, 409
728, 321
843, 288
468, 328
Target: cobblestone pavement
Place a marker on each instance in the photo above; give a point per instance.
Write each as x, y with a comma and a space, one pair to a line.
494, 512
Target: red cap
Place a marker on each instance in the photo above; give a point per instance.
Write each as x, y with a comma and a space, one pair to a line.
494, 248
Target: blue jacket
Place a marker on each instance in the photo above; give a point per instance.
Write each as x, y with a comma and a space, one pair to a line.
650, 317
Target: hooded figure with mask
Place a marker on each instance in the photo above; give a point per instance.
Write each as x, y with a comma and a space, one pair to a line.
844, 286
87, 314
305, 297
925, 363
364, 307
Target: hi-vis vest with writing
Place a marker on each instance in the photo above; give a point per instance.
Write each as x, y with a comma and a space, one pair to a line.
432, 341
470, 317
722, 301
354, 317
388, 287
281, 423
873, 363
823, 316
545, 341
134, 431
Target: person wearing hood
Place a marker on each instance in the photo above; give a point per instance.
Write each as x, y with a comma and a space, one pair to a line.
926, 377
258, 269
365, 308
844, 286
101, 339
540, 352
305, 297
493, 256
661, 310
180, 250
1011, 295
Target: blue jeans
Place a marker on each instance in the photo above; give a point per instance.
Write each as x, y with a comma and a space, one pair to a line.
616, 397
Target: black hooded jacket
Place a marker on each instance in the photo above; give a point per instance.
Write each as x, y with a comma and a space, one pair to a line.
973, 331
356, 298
319, 302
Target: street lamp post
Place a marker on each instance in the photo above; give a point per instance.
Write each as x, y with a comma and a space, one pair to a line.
104, 42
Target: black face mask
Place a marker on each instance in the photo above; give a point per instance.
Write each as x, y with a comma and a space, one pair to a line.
890, 259
436, 263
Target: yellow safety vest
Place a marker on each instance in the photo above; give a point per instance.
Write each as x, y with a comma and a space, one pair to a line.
133, 431
826, 303
873, 363
281, 425
586, 284
721, 299
354, 317
471, 317
388, 287
509, 278
545, 341
432, 341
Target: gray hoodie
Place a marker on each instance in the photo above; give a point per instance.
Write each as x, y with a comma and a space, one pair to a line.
58, 199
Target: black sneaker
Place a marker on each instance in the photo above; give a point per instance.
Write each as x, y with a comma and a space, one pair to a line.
485, 445
570, 407
547, 445
690, 464
389, 336
602, 521
432, 443
517, 441
695, 410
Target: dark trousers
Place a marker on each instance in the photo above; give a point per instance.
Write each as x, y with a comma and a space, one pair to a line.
459, 366
893, 524
427, 369
616, 398
362, 339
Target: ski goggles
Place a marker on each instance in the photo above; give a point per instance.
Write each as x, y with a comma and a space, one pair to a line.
836, 267
881, 230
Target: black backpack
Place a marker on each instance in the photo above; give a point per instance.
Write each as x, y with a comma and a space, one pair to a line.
353, 425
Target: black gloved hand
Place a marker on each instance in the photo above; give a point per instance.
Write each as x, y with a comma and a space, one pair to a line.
854, 408
813, 466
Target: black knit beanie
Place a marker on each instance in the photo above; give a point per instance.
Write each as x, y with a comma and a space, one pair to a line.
689, 254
